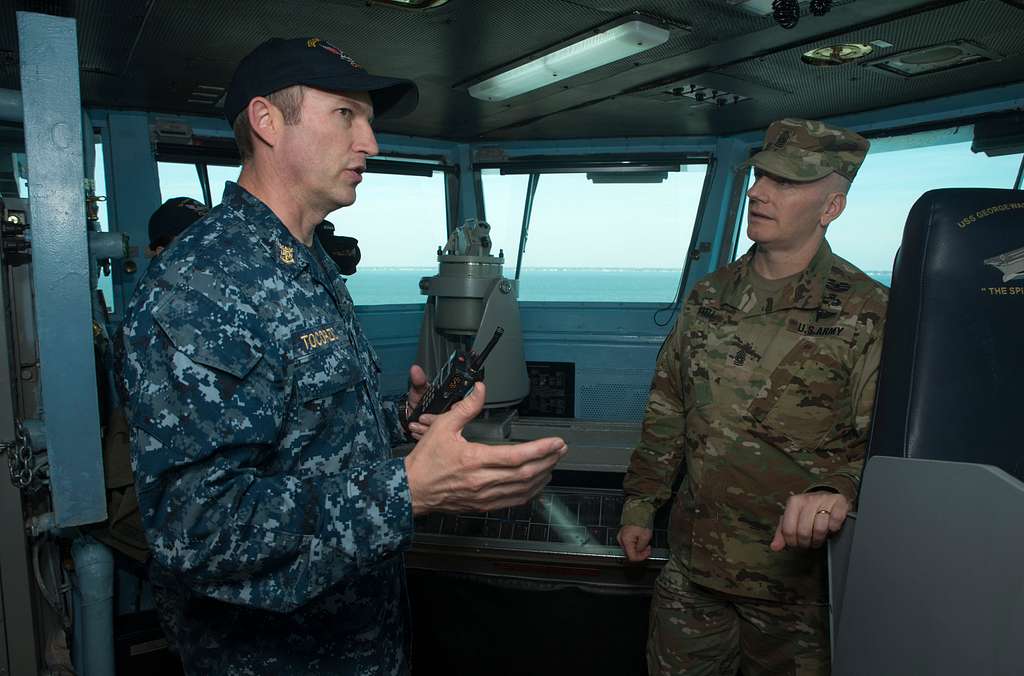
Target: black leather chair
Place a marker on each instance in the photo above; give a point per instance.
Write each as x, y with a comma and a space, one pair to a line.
952, 377
929, 580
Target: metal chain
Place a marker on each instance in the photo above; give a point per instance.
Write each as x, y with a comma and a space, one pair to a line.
25, 475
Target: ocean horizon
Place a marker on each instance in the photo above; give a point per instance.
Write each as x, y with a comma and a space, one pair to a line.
398, 285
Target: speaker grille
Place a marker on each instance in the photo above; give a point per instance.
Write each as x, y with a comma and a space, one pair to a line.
612, 401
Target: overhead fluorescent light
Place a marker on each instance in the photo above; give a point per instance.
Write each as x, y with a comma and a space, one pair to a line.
592, 51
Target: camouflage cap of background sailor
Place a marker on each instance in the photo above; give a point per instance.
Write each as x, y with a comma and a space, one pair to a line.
806, 150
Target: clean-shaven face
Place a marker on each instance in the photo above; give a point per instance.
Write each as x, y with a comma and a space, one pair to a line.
325, 153
786, 214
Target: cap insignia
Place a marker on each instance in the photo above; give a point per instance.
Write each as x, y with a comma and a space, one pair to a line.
328, 47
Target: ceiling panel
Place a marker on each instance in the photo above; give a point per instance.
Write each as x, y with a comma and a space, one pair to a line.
153, 54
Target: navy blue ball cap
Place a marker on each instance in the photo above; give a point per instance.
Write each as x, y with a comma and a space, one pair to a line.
280, 63
171, 219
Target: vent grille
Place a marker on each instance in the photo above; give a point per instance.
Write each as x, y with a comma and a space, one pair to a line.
934, 59
612, 401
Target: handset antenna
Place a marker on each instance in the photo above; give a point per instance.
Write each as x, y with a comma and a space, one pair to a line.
478, 360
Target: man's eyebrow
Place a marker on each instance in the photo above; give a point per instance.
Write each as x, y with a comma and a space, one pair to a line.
758, 173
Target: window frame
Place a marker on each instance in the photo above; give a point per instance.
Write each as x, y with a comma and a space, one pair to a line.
215, 152
738, 196
223, 151
603, 163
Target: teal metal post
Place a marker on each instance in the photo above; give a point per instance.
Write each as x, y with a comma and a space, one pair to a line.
60, 265
133, 193
717, 224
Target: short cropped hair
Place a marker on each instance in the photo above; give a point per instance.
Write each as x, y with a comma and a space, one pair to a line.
287, 100
841, 183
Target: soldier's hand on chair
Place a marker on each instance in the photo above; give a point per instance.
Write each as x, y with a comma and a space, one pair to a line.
636, 542
809, 519
447, 473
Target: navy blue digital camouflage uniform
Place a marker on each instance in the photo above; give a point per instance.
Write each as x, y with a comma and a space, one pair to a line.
261, 448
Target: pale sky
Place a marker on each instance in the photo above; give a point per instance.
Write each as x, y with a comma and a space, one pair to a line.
887, 185
400, 220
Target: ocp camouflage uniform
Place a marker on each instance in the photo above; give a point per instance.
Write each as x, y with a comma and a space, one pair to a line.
765, 393
262, 455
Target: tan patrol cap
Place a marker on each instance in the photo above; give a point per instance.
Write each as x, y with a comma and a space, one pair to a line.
806, 150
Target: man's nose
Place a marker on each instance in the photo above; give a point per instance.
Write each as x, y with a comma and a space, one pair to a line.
757, 191
366, 141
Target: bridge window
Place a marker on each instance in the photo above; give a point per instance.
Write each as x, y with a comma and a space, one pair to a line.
595, 235
104, 282
400, 217
187, 179
179, 180
897, 171
218, 176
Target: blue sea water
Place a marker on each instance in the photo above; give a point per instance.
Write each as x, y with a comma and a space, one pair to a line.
383, 286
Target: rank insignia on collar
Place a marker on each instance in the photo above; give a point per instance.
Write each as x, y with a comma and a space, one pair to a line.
287, 254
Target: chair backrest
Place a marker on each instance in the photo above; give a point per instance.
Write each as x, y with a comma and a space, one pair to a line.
934, 581
952, 374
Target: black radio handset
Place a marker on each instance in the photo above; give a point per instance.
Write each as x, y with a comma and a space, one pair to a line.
455, 379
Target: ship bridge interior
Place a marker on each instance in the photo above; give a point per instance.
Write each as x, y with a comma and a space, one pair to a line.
609, 186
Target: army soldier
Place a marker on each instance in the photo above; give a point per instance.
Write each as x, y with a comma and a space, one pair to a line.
261, 446
763, 392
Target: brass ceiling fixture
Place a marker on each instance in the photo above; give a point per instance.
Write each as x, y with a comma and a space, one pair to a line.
836, 55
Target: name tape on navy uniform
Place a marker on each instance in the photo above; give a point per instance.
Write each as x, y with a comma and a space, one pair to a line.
312, 339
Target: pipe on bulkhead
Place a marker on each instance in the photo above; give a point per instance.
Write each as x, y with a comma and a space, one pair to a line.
11, 109
93, 647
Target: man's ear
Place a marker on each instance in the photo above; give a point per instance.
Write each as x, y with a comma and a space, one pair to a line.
265, 120
834, 205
